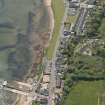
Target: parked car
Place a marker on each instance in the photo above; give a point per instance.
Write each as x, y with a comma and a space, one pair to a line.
66, 33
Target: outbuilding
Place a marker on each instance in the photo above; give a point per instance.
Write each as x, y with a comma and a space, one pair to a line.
46, 78
58, 82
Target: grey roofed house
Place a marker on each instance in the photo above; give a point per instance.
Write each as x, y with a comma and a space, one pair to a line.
74, 1
58, 82
72, 11
62, 84
73, 5
43, 102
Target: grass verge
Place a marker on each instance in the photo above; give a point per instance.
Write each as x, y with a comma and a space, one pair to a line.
58, 10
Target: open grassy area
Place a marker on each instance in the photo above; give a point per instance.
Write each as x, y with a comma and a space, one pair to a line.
85, 93
58, 9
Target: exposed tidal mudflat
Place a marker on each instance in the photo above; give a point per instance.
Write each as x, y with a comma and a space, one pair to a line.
23, 31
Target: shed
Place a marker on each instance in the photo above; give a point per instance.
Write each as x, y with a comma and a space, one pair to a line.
58, 82
46, 78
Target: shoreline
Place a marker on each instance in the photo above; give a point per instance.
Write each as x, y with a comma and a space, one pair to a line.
21, 100
48, 5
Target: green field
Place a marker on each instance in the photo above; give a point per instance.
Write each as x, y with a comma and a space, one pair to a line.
58, 9
85, 93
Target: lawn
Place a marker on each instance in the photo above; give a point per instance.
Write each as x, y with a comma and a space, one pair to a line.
58, 9
85, 93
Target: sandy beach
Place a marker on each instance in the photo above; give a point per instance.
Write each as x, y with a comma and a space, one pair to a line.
47, 2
